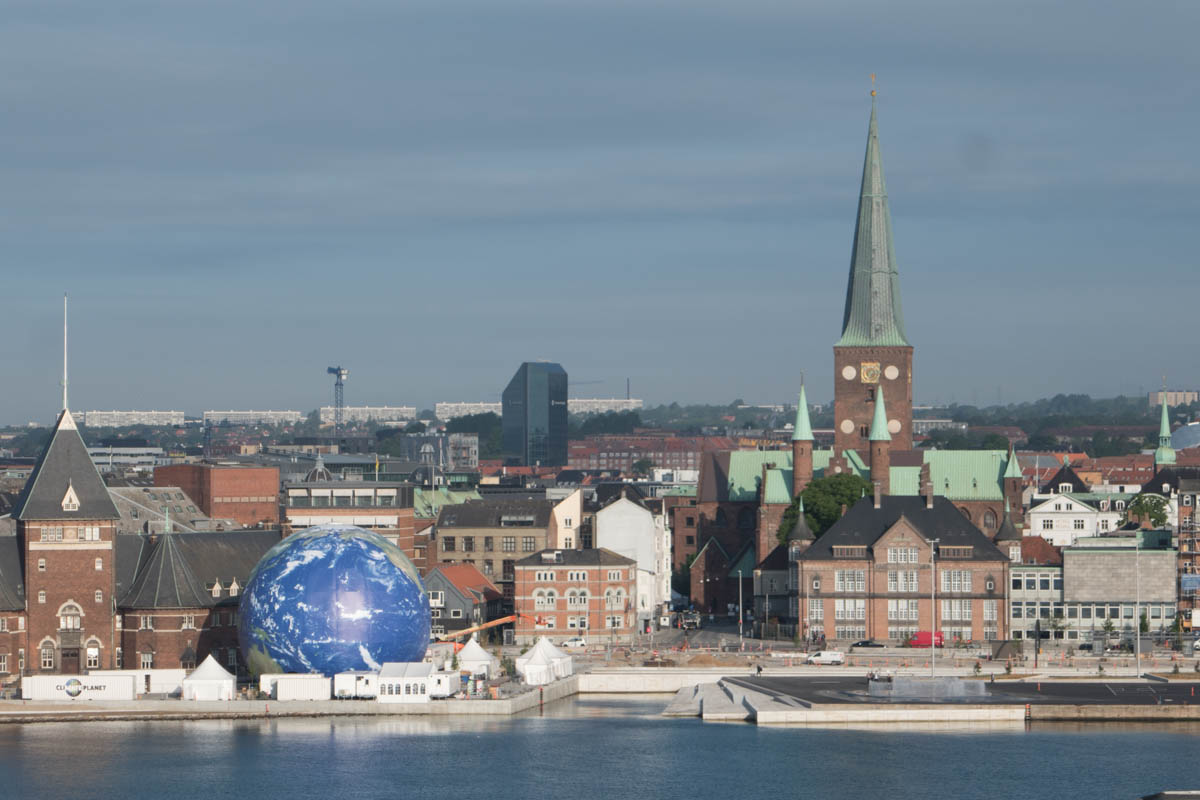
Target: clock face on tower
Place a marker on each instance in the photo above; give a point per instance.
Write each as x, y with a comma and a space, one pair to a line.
869, 371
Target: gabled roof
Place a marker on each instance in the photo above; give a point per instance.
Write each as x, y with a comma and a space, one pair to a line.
743, 561
1065, 474
776, 560
863, 524
873, 315
469, 581
1036, 550
173, 570
65, 470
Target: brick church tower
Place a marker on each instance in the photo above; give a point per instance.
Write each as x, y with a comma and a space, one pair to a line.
873, 351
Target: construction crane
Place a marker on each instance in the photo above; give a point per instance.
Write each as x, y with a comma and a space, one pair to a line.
446, 637
339, 399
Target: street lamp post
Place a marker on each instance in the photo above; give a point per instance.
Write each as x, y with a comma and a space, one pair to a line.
933, 606
1137, 603
741, 612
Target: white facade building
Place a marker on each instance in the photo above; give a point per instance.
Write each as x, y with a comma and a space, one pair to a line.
448, 411
405, 682
124, 419
632, 530
1062, 518
252, 417
565, 519
580, 405
369, 414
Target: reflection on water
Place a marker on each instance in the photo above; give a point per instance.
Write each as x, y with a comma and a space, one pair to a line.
594, 747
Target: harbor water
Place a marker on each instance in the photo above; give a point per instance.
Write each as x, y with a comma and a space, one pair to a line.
584, 748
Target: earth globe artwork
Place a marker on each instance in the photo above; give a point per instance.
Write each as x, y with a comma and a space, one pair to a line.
330, 599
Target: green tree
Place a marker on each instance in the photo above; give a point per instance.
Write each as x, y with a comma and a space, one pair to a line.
823, 501
643, 466
1144, 623
415, 427
1147, 507
1041, 441
486, 426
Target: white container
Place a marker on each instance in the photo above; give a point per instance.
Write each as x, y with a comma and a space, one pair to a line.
78, 687
356, 685
300, 687
150, 681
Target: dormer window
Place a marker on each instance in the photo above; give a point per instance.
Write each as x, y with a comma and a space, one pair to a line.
1166, 488
233, 588
1120, 505
70, 501
1064, 488
216, 589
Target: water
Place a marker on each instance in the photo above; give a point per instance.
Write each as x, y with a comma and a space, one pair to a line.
581, 749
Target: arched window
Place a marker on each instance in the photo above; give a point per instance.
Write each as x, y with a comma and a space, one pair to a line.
745, 519
965, 512
47, 656
551, 599
989, 520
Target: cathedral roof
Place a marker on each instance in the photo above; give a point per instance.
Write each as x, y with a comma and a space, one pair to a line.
64, 484
873, 316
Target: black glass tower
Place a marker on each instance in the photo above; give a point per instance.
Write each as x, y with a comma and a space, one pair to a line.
534, 407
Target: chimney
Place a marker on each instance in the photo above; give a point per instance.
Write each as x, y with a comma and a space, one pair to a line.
927, 490
843, 510
878, 494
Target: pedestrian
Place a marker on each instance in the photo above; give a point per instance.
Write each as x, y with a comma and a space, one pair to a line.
759, 670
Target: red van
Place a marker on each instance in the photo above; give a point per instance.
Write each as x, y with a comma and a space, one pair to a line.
922, 639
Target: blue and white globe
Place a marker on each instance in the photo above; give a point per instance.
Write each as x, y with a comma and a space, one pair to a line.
329, 599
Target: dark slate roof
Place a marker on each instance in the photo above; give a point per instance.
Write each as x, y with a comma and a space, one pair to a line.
12, 585
65, 463
800, 532
1065, 475
777, 559
598, 557
1178, 478
1008, 532
863, 524
488, 513
607, 492
178, 570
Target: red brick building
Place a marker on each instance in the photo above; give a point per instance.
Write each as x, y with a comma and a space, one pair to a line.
664, 450
247, 495
564, 593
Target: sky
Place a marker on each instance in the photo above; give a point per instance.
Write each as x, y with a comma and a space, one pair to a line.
238, 195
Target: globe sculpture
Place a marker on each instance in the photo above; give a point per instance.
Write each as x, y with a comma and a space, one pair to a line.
330, 599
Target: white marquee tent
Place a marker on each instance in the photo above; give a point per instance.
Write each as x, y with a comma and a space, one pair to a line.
209, 681
474, 659
544, 655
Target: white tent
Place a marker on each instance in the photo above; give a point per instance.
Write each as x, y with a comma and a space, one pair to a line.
560, 663
538, 668
476, 660
209, 681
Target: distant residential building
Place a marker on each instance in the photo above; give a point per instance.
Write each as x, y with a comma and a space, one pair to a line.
448, 411
580, 405
252, 417
564, 593
455, 451
534, 416
1061, 519
125, 419
663, 450
460, 596
627, 527
923, 427
1174, 397
247, 495
369, 414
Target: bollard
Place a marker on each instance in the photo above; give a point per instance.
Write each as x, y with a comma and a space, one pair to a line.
541, 697
1028, 715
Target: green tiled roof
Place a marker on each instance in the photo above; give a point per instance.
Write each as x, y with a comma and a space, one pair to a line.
1012, 469
967, 474
779, 486
424, 500
745, 563
803, 427
904, 481
680, 491
745, 471
873, 315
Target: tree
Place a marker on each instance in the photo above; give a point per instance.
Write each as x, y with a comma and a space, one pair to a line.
643, 466
823, 501
415, 427
1144, 623
1147, 508
486, 426
1041, 441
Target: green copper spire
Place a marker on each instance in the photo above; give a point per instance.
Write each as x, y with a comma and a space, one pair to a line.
873, 315
1013, 468
879, 429
803, 428
1165, 454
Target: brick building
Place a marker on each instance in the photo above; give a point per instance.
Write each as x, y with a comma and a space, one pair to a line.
563, 593
620, 451
869, 575
385, 507
247, 495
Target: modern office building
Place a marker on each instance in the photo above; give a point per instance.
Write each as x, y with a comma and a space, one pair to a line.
535, 415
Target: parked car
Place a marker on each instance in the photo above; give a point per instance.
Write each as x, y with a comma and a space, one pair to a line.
827, 657
923, 639
575, 642
868, 643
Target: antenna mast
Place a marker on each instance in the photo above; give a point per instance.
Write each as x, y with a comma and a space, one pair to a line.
64, 380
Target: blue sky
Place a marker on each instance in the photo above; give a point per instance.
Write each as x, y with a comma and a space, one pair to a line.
239, 195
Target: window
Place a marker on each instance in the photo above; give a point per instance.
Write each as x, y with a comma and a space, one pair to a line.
488, 544
147, 623
614, 574
544, 577
1016, 582
1047, 524
435, 613
231, 658
69, 619
508, 544
902, 555
189, 621
1044, 583
902, 580
99, 565
3, 623
816, 611
577, 576
41, 595
4, 662
52, 533
528, 544
956, 610
689, 522
850, 608
1078, 524
233, 588
447, 544
956, 580
21, 659
48, 656
99, 596
850, 580
903, 610
216, 589
1103, 524
41, 565
93, 658
468, 544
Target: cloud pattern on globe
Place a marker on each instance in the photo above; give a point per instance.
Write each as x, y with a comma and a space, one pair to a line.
329, 599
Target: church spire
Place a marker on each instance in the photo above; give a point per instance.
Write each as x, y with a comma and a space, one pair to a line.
879, 423
1165, 454
802, 431
873, 315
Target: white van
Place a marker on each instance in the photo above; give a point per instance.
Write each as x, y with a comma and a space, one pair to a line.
827, 657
